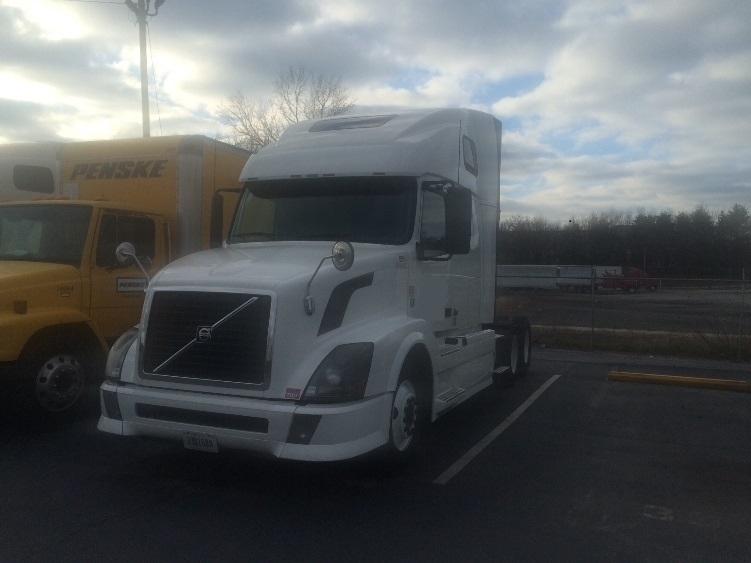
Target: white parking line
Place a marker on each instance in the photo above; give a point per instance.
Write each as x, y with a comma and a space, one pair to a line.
463, 461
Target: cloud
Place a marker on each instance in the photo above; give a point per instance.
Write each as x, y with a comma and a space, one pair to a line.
670, 90
605, 103
26, 121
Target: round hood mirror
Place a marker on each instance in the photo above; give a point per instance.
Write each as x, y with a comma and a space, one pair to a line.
343, 255
125, 252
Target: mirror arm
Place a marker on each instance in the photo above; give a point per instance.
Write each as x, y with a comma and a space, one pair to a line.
126, 251
140, 266
342, 255
310, 306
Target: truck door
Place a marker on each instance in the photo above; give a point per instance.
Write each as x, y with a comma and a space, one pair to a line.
116, 290
464, 285
429, 287
432, 297
450, 291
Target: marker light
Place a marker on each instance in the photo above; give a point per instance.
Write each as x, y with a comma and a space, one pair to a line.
116, 357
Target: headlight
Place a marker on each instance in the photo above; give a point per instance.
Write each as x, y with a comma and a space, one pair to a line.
342, 375
116, 357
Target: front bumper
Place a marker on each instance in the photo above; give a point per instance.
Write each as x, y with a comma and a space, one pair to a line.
282, 429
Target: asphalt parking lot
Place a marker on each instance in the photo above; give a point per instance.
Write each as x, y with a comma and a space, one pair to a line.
591, 470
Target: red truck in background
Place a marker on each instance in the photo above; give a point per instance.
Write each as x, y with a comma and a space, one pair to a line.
630, 280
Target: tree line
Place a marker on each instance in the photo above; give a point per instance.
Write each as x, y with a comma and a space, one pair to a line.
685, 244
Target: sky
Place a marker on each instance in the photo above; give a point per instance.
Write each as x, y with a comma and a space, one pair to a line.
606, 105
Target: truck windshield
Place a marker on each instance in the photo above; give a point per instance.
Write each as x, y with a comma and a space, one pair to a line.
44, 233
376, 210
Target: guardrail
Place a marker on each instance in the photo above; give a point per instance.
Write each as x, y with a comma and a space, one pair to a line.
686, 316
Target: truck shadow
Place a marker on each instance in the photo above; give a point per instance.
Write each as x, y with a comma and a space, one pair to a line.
17, 420
442, 444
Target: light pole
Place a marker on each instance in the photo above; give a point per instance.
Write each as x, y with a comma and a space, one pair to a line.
141, 10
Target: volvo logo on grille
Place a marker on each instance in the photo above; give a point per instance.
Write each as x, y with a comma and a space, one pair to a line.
203, 334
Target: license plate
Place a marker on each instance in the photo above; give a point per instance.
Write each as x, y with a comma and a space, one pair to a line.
200, 442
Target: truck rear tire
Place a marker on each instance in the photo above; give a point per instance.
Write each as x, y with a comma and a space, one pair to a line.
526, 348
523, 334
514, 355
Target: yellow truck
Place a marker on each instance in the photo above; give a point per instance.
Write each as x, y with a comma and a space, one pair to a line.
64, 209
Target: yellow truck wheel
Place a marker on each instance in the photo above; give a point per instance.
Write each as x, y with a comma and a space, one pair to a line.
54, 379
59, 382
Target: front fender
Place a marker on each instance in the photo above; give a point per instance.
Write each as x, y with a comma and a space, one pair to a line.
393, 338
16, 330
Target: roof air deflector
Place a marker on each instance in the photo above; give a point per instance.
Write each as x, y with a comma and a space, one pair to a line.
350, 123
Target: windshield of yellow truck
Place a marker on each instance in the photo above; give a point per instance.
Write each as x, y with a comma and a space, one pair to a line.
44, 233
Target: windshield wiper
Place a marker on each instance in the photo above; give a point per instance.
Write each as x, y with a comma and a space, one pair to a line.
327, 236
244, 236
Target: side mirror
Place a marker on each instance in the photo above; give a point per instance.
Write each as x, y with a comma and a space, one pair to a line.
458, 220
342, 256
36, 179
125, 253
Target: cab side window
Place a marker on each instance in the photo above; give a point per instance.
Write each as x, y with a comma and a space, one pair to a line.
115, 229
470, 155
33, 178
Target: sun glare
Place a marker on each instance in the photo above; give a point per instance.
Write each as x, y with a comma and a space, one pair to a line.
54, 20
13, 86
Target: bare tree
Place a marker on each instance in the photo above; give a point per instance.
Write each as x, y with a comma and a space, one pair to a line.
254, 124
290, 91
327, 97
298, 95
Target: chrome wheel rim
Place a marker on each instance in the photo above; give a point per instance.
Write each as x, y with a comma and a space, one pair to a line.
514, 359
526, 347
59, 383
404, 415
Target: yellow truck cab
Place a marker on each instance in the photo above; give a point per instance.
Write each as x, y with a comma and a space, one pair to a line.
64, 296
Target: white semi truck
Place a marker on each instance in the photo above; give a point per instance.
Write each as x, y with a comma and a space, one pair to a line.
280, 344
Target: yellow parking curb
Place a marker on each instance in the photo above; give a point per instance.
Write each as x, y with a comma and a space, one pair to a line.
682, 381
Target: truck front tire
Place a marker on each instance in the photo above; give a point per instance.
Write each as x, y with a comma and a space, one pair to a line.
59, 382
404, 417
409, 413
54, 380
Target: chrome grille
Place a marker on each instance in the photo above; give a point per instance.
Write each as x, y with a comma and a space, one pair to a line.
208, 335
